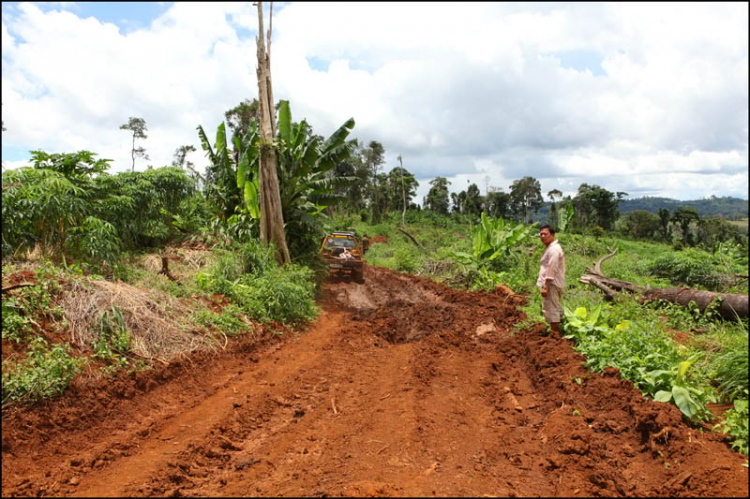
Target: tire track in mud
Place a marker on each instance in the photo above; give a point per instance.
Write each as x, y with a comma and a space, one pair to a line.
402, 387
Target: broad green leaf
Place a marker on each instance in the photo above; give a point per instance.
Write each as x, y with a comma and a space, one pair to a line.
683, 369
594, 315
663, 396
251, 198
684, 401
285, 122
581, 313
242, 170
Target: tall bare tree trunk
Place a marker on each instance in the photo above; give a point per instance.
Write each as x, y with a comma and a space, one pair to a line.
271, 217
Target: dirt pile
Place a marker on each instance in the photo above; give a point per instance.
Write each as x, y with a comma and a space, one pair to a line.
402, 387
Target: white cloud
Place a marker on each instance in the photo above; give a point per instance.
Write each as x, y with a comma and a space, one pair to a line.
459, 90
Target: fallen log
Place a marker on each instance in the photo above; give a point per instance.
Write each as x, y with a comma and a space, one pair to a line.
731, 306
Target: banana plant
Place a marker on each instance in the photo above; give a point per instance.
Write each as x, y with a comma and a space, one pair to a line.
304, 163
565, 218
221, 174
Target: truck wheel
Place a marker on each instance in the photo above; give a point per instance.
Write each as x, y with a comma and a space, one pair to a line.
359, 275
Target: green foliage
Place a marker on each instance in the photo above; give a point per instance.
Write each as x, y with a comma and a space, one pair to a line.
284, 294
263, 291
689, 267
71, 165
15, 326
437, 197
90, 218
736, 423
407, 260
565, 218
645, 357
229, 321
496, 243
114, 339
46, 373
26, 303
95, 240
727, 207
731, 371
595, 205
526, 198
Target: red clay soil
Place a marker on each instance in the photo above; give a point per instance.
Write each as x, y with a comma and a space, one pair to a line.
402, 387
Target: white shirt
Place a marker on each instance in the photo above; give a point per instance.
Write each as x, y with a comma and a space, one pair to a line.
552, 269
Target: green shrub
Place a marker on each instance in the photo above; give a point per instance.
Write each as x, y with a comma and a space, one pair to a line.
731, 372
406, 260
736, 423
46, 373
644, 356
284, 294
228, 321
689, 267
15, 326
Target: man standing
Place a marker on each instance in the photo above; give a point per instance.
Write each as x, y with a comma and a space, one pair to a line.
551, 277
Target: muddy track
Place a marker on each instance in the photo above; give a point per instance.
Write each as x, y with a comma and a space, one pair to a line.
402, 387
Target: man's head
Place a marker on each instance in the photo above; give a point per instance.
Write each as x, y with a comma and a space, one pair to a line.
546, 234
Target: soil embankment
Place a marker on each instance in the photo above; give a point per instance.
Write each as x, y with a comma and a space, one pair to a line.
402, 387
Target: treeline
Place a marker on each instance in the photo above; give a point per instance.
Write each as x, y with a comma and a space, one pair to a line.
68, 205
727, 207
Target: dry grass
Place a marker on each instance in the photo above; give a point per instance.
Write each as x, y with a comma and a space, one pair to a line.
157, 322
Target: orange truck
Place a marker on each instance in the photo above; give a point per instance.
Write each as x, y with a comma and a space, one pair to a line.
344, 253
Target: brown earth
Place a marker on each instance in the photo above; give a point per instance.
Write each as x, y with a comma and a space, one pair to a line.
402, 387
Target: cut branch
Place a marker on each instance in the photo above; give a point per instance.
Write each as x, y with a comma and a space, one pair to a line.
414, 240
598, 265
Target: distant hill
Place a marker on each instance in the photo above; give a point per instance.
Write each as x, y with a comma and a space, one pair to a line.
727, 207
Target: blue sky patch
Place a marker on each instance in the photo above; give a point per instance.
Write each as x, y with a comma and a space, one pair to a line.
128, 16
318, 64
15, 153
581, 60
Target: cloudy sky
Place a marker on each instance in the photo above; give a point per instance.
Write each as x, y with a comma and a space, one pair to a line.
650, 99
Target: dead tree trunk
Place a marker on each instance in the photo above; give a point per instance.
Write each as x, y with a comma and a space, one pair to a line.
271, 216
731, 306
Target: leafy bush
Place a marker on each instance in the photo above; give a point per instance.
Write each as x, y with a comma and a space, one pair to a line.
250, 277
15, 326
114, 339
406, 260
228, 321
646, 357
46, 373
284, 294
496, 243
736, 423
96, 241
732, 372
690, 267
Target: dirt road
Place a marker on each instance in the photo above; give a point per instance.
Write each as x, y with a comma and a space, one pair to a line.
402, 387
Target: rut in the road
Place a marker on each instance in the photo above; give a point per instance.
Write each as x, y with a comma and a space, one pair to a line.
403, 387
